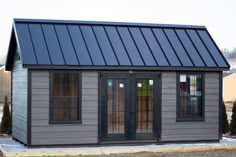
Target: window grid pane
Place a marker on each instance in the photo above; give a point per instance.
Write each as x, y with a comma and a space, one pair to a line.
65, 97
190, 96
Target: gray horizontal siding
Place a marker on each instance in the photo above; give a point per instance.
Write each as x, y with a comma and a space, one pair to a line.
19, 101
44, 133
188, 131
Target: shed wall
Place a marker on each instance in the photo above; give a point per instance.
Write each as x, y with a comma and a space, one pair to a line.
43, 133
189, 131
19, 101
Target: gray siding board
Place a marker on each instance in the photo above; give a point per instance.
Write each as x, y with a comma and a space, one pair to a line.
89, 79
39, 104
21, 116
40, 85
90, 97
40, 110
90, 85
63, 135
188, 137
40, 116
90, 109
44, 133
193, 132
40, 91
41, 79
188, 131
64, 128
66, 140
89, 92
19, 101
188, 125
39, 97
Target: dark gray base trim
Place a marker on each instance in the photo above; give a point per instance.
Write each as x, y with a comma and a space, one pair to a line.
121, 143
188, 142
17, 140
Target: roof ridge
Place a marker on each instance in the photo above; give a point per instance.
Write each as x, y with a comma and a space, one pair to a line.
110, 23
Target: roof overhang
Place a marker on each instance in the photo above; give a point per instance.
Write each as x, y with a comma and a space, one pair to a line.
121, 68
11, 51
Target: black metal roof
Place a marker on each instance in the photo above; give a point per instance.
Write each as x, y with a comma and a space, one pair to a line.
55, 43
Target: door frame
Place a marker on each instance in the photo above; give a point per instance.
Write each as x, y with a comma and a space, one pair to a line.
130, 80
102, 93
156, 98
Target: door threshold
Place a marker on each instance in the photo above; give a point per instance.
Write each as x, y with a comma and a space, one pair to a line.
128, 142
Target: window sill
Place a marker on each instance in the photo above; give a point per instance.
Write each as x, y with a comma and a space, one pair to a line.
65, 122
191, 120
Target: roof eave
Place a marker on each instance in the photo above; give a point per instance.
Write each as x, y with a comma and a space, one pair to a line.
11, 51
81, 22
58, 67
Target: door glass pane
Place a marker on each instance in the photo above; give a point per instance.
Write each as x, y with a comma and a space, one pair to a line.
115, 106
144, 105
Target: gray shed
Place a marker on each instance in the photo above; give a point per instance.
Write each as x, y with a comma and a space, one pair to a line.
83, 82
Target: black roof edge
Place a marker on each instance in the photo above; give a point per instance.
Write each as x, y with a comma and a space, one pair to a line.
228, 65
11, 51
58, 67
49, 21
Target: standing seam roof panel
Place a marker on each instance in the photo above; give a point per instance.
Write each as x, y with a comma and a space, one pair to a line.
39, 44
164, 43
201, 48
52, 44
80, 47
26, 47
105, 46
212, 48
154, 46
66, 45
118, 46
142, 47
92, 45
178, 48
190, 48
130, 46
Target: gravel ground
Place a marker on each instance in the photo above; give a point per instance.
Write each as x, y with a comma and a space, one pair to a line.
225, 148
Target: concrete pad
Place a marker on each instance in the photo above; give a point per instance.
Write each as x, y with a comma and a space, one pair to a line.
11, 148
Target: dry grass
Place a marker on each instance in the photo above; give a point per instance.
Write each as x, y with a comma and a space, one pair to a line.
223, 152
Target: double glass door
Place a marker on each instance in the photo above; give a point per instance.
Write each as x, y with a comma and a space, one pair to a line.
129, 106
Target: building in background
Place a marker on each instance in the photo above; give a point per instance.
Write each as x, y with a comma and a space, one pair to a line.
229, 92
5, 84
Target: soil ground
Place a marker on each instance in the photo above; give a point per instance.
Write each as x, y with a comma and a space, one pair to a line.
207, 153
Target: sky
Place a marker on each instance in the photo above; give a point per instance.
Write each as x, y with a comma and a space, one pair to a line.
219, 16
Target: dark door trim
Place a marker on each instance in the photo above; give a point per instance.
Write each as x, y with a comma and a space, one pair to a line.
156, 105
103, 97
130, 110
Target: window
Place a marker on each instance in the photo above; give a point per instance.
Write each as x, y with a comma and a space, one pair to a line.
65, 97
190, 100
